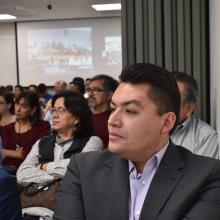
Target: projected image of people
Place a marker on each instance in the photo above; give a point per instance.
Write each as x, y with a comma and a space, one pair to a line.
56, 51
113, 50
49, 51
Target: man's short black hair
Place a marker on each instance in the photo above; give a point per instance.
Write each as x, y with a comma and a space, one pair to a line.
42, 88
163, 92
79, 82
191, 92
110, 84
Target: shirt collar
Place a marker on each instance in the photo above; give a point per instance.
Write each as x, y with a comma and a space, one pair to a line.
156, 159
184, 124
62, 142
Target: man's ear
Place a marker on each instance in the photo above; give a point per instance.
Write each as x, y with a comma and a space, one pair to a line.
191, 106
168, 122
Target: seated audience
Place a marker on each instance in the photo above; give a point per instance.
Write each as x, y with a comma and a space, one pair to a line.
9, 89
59, 86
142, 175
18, 137
18, 89
10, 204
86, 83
77, 85
2, 89
99, 91
33, 88
6, 110
193, 133
73, 130
43, 94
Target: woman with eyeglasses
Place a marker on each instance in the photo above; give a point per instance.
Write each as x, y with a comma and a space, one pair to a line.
18, 137
72, 133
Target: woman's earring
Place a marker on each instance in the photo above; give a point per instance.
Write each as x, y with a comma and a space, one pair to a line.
75, 124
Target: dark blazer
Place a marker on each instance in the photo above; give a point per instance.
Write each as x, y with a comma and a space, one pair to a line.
10, 204
96, 187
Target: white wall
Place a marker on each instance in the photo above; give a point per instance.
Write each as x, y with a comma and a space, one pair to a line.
8, 69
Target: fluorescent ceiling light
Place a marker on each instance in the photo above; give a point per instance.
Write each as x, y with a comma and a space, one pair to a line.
107, 7
6, 17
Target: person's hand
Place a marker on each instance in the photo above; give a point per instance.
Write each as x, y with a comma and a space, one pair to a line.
12, 153
42, 166
4, 154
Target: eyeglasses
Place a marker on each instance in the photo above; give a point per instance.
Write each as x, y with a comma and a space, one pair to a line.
58, 111
95, 91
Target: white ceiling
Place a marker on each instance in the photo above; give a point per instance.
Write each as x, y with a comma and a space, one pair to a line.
30, 10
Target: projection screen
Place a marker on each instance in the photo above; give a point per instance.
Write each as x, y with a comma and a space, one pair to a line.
52, 50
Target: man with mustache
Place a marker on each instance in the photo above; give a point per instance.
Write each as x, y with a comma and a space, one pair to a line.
99, 92
142, 175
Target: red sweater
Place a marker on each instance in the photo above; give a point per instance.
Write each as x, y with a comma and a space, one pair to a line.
26, 140
100, 123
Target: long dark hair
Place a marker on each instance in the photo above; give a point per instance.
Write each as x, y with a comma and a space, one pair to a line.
76, 104
9, 98
32, 100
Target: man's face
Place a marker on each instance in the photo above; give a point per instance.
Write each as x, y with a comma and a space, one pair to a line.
59, 87
98, 99
186, 108
136, 131
32, 89
17, 92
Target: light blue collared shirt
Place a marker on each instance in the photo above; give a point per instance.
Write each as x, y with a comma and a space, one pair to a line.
197, 136
140, 182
